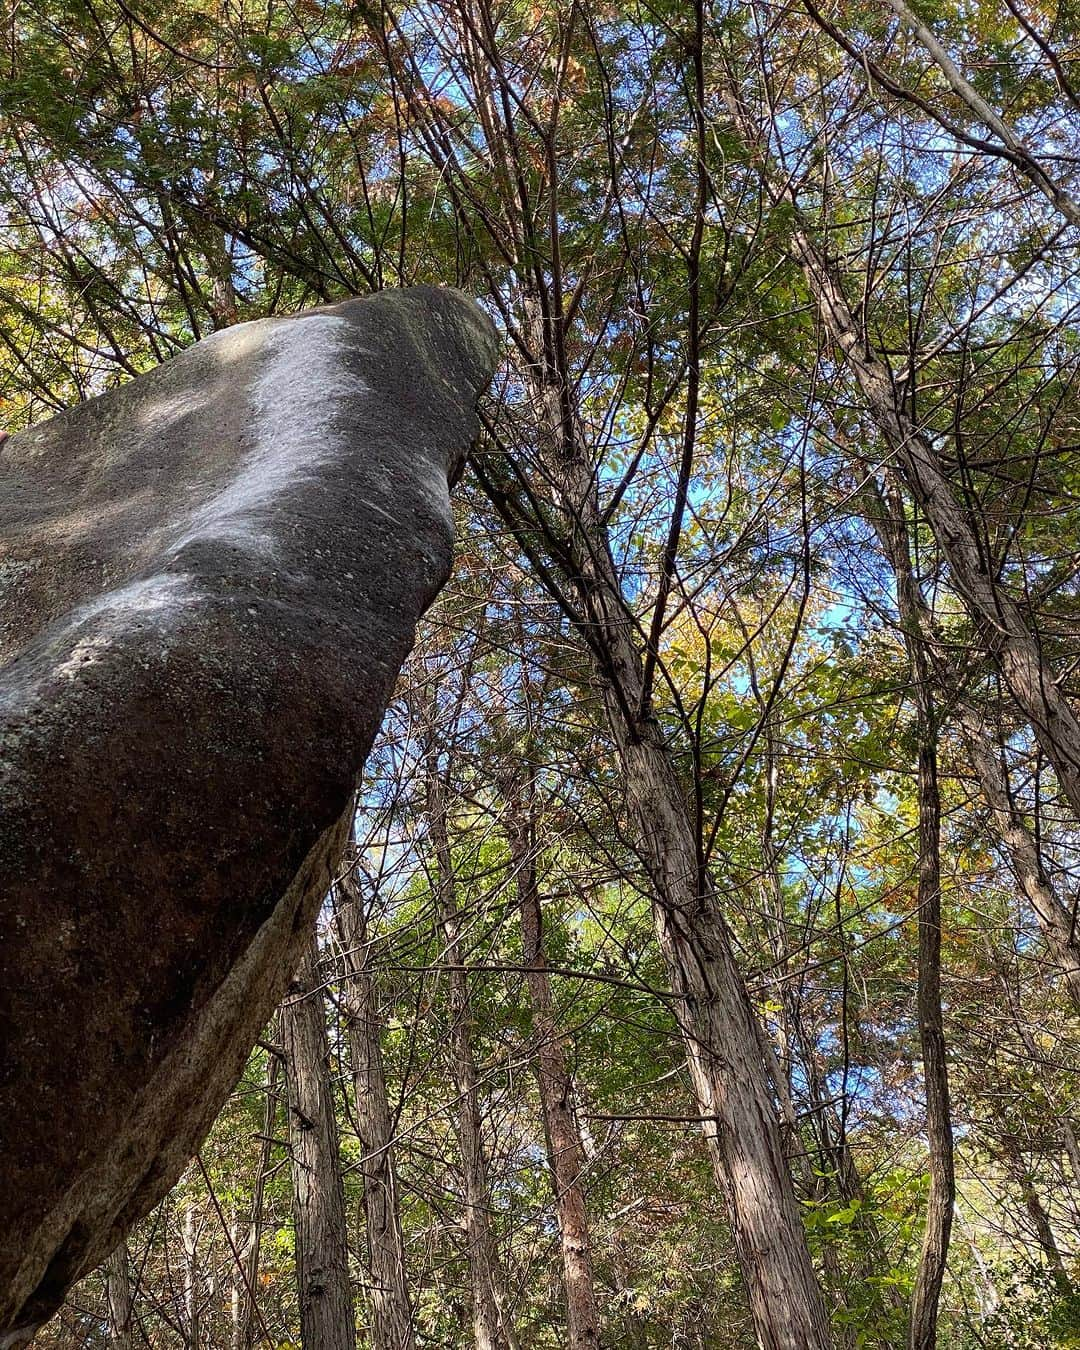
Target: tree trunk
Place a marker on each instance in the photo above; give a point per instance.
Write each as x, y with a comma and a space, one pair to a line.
939, 1209
118, 1287
327, 1320
724, 1057
566, 1156
709, 998
561, 508
392, 1321
254, 1241
236, 1285
489, 1324
190, 1240
922, 1331
1052, 916
836, 1172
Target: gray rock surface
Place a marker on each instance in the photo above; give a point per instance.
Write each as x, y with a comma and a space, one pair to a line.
208, 582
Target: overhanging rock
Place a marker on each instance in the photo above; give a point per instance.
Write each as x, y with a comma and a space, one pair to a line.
208, 582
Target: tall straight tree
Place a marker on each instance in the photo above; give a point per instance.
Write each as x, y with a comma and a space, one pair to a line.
252, 1247
922, 1328
391, 1308
489, 1316
562, 1133
327, 1320
556, 515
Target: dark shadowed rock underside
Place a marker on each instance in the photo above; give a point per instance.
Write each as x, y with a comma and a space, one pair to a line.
208, 582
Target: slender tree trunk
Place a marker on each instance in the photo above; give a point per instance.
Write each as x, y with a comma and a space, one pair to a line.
833, 1152
236, 1286
566, 1156
772, 895
939, 1209
392, 1320
118, 1288
254, 1242
841, 1176
489, 1325
327, 1320
190, 1239
222, 299
922, 1332
724, 1058
836, 1172
1072, 1152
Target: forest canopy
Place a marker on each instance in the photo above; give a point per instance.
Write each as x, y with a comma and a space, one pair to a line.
704, 969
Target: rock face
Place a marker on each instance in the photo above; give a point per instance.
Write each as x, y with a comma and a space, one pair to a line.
208, 582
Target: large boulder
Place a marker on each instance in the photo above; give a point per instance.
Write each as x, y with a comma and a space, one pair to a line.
209, 579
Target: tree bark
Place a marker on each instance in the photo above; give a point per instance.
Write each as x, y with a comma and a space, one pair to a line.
118, 1288
392, 1319
724, 1058
327, 1321
566, 1156
489, 1322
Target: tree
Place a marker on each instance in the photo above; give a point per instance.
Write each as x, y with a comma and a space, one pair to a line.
322, 1264
392, 1317
566, 1154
